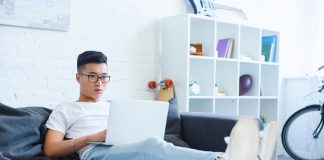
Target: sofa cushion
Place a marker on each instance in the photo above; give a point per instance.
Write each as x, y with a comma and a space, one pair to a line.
20, 131
173, 124
175, 140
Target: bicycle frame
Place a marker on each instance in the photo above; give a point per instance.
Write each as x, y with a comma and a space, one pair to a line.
320, 125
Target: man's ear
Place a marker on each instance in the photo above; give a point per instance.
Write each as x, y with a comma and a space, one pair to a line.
77, 77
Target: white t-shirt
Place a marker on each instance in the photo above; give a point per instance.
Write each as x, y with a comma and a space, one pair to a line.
76, 119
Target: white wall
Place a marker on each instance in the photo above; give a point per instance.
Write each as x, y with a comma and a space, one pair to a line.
315, 34
37, 67
288, 17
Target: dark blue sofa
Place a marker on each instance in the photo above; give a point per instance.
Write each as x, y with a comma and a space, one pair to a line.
22, 132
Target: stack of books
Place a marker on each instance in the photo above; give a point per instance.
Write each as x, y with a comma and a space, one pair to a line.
225, 47
269, 48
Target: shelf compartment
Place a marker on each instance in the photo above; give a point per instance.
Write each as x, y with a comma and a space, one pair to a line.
269, 78
201, 70
251, 69
201, 105
249, 107
250, 42
226, 106
203, 31
269, 109
226, 77
228, 30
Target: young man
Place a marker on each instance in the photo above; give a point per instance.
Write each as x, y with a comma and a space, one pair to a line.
73, 124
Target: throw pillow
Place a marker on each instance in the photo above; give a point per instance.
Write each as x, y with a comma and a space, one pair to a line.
19, 131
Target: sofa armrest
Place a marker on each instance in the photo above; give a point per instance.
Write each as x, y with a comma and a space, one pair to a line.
206, 131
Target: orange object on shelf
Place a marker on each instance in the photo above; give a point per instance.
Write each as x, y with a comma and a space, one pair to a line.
198, 48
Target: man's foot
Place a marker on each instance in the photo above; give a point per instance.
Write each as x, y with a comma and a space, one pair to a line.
244, 141
268, 141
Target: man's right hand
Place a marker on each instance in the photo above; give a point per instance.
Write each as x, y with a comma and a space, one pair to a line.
98, 137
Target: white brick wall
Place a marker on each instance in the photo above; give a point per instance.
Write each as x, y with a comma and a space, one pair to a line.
37, 67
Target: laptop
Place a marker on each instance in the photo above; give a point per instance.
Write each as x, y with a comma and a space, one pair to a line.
132, 121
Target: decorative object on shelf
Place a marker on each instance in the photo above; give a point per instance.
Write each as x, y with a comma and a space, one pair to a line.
245, 83
269, 48
245, 58
263, 119
262, 58
216, 89
261, 90
194, 88
208, 7
225, 47
217, 92
196, 49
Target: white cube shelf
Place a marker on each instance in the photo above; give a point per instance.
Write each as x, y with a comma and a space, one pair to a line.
178, 32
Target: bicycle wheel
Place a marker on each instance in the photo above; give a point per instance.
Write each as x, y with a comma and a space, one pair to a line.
297, 134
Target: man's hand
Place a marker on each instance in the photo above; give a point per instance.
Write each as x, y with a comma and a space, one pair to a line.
98, 137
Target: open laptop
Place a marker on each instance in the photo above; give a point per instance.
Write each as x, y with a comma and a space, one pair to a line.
135, 120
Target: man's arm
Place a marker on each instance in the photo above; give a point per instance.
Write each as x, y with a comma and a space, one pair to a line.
56, 146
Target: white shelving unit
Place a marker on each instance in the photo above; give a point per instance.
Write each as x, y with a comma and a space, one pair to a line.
179, 32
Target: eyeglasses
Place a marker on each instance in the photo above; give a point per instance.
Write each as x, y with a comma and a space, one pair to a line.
94, 78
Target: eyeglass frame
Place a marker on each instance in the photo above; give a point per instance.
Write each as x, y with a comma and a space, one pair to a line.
88, 75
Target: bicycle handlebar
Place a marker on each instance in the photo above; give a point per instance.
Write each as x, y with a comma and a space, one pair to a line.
321, 67
322, 88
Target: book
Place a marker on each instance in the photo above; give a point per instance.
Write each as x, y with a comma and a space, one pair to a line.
223, 47
230, 48
269, 48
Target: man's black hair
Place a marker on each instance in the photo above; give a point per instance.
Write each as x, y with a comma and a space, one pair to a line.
90, 57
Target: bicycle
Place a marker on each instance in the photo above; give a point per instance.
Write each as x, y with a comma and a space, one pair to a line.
293, 132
